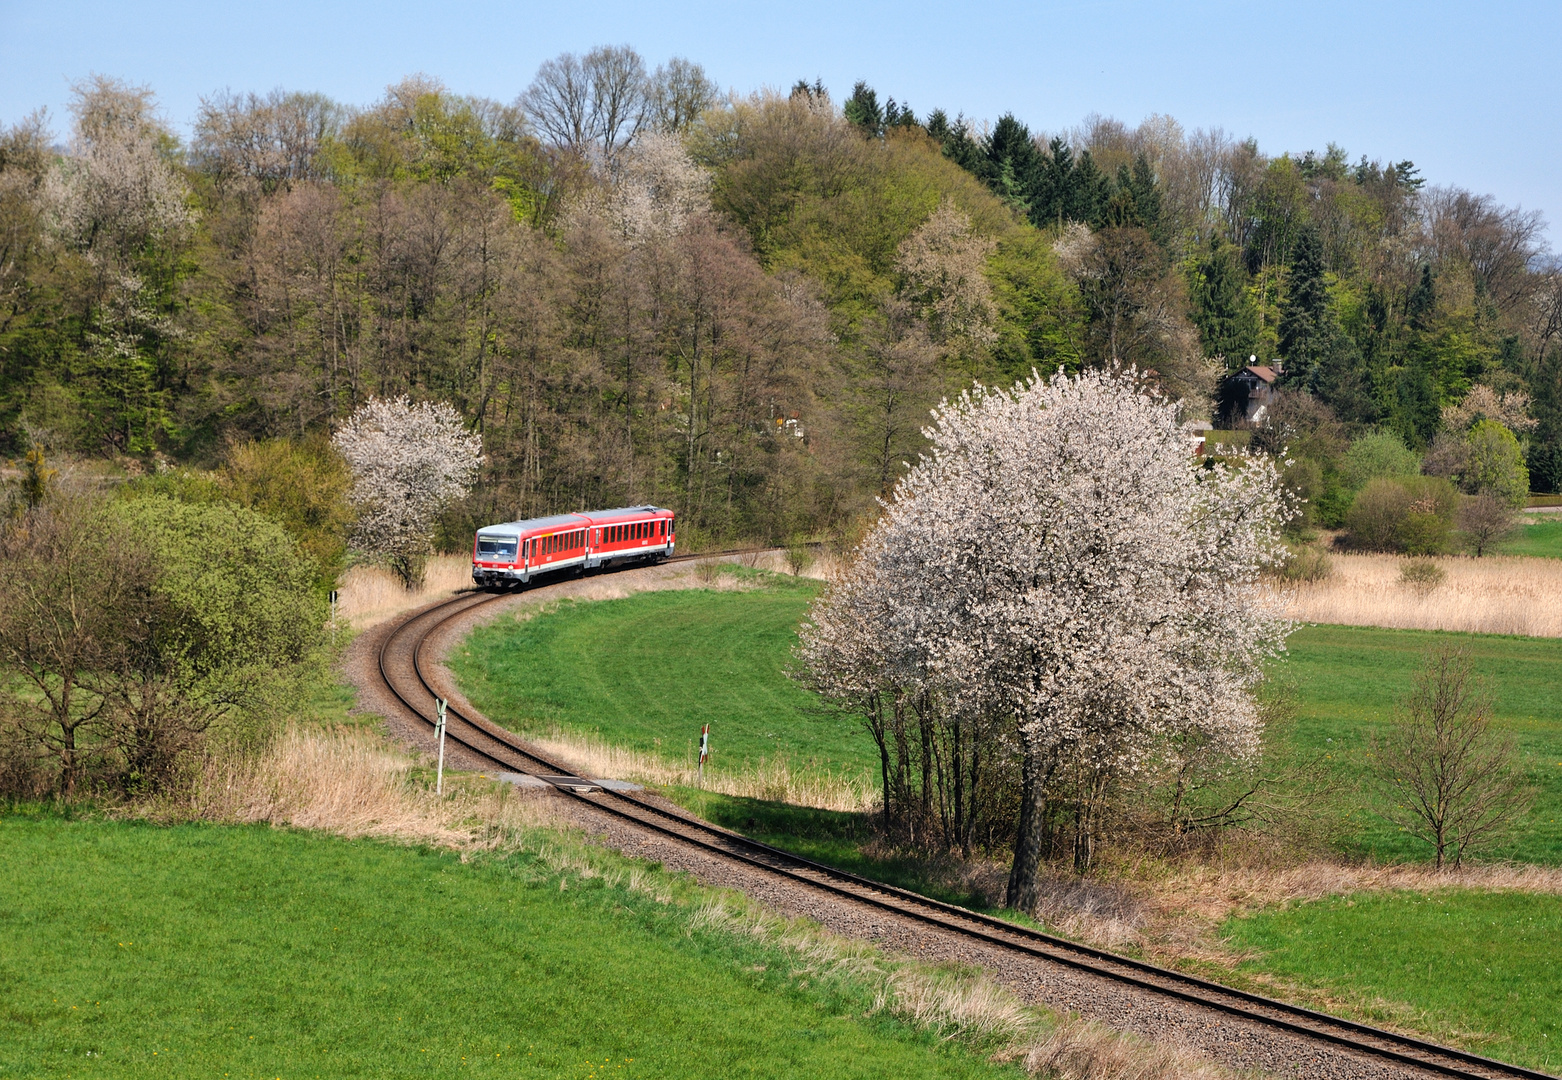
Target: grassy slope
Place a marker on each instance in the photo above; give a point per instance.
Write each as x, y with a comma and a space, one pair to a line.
648, 670
1481, 966
1542, 538
128, 950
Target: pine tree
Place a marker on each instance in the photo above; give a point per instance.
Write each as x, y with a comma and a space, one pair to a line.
1089, 192
1222, 310
1307, 306
1422, 302
1054, 182
863, 110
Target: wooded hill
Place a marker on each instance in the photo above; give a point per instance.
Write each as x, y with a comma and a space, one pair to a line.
742, 307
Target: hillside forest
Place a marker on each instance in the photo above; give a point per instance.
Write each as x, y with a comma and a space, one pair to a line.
636, 288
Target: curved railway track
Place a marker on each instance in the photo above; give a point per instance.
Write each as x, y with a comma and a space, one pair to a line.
402, 671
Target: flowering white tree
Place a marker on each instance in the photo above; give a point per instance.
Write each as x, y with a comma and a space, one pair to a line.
942, 267
115, 191
657, 190
1060, 558
408, 463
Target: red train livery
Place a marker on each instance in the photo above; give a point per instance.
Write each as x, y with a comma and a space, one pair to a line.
515, 552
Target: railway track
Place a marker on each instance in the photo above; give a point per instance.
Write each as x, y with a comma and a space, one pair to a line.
403, 673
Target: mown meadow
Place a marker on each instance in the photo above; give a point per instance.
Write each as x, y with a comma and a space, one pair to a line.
133, 950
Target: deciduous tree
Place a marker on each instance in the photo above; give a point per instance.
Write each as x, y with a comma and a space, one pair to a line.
409, 461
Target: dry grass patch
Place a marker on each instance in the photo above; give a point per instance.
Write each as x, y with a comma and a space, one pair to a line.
1174, 911
349, 783
368, 595
1493, 595
772, 779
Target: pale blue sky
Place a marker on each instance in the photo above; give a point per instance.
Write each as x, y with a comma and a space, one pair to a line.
1468, 91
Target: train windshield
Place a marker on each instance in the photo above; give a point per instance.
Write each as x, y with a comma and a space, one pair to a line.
496, 547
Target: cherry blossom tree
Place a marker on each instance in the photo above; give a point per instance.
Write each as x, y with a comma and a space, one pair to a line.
1059, 562
408, 463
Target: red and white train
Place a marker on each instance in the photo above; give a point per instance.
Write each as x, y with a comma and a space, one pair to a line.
514, 553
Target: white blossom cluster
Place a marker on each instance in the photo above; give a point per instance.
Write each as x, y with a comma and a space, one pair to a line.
657, 190
408, 463
1061, 558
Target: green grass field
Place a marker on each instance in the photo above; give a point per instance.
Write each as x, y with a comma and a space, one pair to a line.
1540, 536
1478, 967
129, 950
648, 670
1428, 957
1348, 681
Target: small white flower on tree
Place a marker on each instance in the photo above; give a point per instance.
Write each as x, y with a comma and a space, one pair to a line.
408, 463
1060, 560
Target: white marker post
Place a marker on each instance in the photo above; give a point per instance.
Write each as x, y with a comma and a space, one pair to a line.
439, 777
333, 616
704, 751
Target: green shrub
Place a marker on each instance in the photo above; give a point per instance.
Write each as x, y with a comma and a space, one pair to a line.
1377, 455
301, 486
1494, 464
1307, 564
1411, 514
1421, 575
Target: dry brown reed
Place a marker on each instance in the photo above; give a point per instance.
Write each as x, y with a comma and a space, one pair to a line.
1493, 595
349, 783
372, 594
774, 779
1175, 910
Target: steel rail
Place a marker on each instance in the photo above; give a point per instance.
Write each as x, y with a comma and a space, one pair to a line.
1269, 1012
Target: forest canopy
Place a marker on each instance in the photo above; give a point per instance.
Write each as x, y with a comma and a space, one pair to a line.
636, 288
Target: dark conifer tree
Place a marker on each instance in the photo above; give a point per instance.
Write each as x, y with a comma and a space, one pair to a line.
1089, 192
1422, 302
1307, 304
1122, 211
863, 110
1055, 180
1012, 164
1222, 310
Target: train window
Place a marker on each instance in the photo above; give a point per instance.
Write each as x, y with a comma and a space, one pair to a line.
496, 547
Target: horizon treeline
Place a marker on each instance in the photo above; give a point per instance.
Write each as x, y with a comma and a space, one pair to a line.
639, 289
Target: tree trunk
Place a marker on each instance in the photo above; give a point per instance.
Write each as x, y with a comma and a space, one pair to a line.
1022, 894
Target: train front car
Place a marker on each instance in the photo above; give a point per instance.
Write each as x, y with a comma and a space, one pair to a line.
515, 552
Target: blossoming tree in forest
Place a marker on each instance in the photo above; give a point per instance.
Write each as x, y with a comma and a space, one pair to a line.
408, 463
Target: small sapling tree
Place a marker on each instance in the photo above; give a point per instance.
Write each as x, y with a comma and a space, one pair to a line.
1451, 778
1485, 520
408, 463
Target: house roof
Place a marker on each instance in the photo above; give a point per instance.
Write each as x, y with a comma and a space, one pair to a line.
1263, 371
